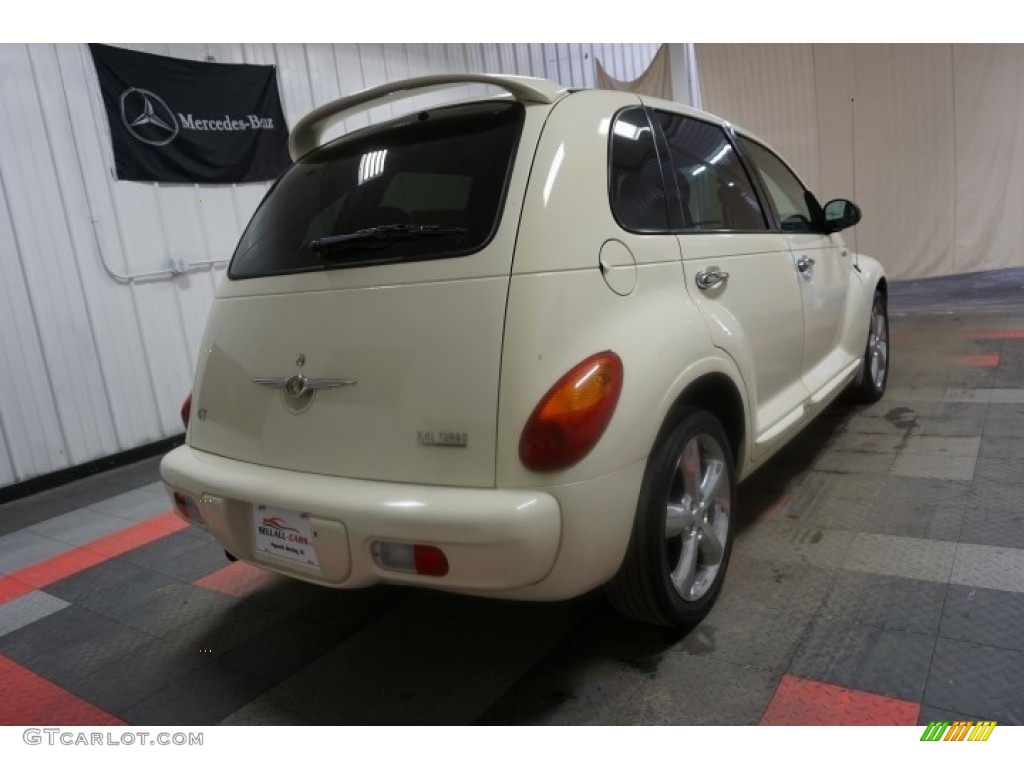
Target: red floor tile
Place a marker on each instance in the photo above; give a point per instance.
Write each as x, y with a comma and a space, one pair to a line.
28, 699
997, 333
237, 580
12, 589
975, 361
805, 702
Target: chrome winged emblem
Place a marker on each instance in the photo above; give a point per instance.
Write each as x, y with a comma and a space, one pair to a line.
298, 385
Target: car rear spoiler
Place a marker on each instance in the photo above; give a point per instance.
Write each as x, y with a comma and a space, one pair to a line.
306, 135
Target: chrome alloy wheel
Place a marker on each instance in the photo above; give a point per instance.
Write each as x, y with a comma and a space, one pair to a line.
878, 344
697, 517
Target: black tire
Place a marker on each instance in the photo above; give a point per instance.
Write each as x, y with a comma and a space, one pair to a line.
654, 584
874, 373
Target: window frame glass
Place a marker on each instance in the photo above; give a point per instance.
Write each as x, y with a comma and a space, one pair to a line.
659, 161
500, 122
680, 227
815, 220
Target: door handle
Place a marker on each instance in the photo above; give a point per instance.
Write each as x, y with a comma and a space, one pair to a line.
804, 263
709, 278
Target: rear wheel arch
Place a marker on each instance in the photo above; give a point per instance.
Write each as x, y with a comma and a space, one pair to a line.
719, 395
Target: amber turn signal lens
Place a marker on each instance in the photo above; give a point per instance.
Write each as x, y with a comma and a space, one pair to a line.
572, 416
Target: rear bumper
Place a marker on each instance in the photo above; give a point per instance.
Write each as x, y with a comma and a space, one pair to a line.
495, 540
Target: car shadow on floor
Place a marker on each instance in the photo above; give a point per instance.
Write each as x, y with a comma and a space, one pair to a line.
389, 655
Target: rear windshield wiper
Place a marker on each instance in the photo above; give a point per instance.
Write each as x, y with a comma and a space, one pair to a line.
383, 235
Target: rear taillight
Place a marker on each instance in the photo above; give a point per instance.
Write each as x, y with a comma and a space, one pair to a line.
186, 410
572, 416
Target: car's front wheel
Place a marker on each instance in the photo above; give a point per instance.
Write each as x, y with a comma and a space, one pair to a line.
874, 374
682, 534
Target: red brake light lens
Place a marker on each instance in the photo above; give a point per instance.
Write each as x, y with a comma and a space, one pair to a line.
572, 416
186, 410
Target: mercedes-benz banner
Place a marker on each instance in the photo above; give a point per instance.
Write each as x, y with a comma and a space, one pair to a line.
189, 121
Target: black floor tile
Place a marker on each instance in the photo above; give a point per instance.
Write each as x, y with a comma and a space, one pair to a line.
21, 513
201, 697
157, 604
980, 679
745, 633
186, 555
140, 674
867, 658
936, 715
984, 616
776, 585
72, 644
889, 602
81, 586
995, 515
280, 650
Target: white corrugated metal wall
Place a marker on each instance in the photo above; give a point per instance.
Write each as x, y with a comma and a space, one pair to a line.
92, 364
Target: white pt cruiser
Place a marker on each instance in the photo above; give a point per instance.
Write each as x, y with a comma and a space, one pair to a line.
520, 346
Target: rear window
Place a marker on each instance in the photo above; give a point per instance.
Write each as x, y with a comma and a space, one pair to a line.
427, 186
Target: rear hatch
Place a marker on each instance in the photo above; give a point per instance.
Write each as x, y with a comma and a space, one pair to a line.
359, 331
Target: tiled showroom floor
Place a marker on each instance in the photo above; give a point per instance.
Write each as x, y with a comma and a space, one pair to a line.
878, 577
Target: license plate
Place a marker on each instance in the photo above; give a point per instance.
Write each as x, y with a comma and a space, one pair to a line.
284, 534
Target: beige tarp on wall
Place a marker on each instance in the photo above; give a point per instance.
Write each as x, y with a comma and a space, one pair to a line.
656, 80
927, 139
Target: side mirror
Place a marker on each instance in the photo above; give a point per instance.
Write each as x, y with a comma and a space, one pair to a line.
840, 214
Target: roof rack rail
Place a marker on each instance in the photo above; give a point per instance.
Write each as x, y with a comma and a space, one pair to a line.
306, 134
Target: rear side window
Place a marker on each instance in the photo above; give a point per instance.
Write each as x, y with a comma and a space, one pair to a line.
427, 186
714, 189
636, 187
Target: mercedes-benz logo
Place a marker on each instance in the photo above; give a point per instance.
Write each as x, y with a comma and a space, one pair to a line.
147, 117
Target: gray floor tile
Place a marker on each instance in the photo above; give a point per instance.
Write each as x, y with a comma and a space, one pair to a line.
26, 609
847, 462
21, 549
788, 541
930, 445
79, 527
979, 565
940, 467
901, 556
138, 505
